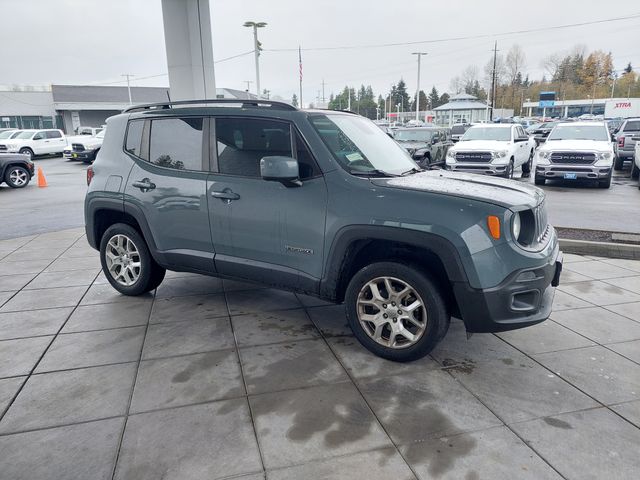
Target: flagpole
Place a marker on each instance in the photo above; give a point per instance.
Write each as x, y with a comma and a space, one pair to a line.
300, 61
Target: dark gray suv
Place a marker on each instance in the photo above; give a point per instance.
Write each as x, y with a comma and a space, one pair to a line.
323, 203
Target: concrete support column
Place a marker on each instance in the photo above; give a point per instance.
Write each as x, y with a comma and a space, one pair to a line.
189, 47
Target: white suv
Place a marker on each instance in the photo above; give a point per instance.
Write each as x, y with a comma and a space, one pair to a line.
493, 149
35, 142
576, 150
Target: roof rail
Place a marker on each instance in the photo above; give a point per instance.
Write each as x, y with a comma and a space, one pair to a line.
251, 103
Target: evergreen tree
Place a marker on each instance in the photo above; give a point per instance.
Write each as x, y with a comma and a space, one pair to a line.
434, 98
294, 100
628, 68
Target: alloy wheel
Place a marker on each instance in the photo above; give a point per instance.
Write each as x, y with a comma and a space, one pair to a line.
391, 312
123, 260
18, 177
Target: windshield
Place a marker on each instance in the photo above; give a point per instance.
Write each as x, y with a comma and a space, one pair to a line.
360, 146
579, 132
24, 135
413, 135
488, 133
7, 134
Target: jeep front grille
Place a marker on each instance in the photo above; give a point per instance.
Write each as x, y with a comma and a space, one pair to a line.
480, 157
77, 147
573, 158
542, 225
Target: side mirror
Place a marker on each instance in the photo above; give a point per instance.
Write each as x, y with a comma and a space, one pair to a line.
280, 169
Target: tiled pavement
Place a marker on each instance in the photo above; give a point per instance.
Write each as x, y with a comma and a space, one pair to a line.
213, 379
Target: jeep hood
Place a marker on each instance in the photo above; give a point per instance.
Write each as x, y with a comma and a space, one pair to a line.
577, 145
506, 193
480, 145
416, 145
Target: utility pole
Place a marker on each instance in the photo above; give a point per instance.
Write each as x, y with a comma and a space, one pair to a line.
300, 71
419, 54
349, 104
256, 49
493, 80
323, 84
128, 75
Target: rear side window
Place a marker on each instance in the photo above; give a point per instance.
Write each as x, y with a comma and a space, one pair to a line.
134, 138
632, 126
53, 134
176, 143
242, 142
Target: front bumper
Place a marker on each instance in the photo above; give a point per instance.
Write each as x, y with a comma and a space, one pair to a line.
82, 156
524, 298
559, 171
476, 167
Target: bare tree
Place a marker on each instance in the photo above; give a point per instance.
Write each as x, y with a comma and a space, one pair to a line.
514, 63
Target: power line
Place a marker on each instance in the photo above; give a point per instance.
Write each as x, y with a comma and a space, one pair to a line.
468, 37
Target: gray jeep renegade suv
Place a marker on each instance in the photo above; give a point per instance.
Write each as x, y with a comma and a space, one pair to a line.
323, 203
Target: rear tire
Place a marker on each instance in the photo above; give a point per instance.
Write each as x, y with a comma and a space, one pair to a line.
540, 180
526, 167
127, 262
618, 164
378, 328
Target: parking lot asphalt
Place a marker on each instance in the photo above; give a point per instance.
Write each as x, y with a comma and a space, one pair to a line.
37, 210
214, 379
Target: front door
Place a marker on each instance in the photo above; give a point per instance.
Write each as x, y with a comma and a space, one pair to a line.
168, 184
264, 230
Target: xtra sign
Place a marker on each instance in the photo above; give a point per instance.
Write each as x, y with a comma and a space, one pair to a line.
622, 108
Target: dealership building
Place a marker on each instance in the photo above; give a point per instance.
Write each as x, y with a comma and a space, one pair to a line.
69, 106
609, 107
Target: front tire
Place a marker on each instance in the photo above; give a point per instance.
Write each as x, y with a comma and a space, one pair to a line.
16, 176
605, 183
27, 151
396, 311
127, 262
540, 181
508, 173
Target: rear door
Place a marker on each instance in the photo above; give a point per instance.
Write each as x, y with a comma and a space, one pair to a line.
263, 230
55, 141
167, 184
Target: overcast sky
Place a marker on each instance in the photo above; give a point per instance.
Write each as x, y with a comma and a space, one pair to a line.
95, 41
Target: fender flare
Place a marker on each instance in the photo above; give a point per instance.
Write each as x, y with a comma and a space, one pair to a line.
346, 236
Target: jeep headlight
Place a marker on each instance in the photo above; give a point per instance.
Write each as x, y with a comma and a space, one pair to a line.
451, 157
516, 226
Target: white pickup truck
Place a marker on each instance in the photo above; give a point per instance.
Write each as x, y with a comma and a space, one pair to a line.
577, 150
35, 142
493, 149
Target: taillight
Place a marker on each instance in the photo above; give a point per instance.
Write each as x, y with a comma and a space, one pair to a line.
89, 175
621, 142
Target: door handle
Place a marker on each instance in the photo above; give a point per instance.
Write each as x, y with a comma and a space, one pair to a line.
145, 185
227, 194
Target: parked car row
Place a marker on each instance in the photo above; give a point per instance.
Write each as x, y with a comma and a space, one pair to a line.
33, 142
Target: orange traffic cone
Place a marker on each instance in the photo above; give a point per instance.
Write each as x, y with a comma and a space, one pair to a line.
42, 182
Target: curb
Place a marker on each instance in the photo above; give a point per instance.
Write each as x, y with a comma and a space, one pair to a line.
601, 249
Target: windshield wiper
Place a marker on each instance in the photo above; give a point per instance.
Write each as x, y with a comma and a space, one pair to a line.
412, 171
375, 171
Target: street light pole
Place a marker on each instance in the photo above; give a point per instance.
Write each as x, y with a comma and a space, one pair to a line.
419, 54
128, 75
256, 49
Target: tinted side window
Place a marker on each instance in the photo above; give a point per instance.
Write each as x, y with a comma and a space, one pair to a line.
632, 126
242, 142
307, 165
134, 137
176, 143
53, 134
